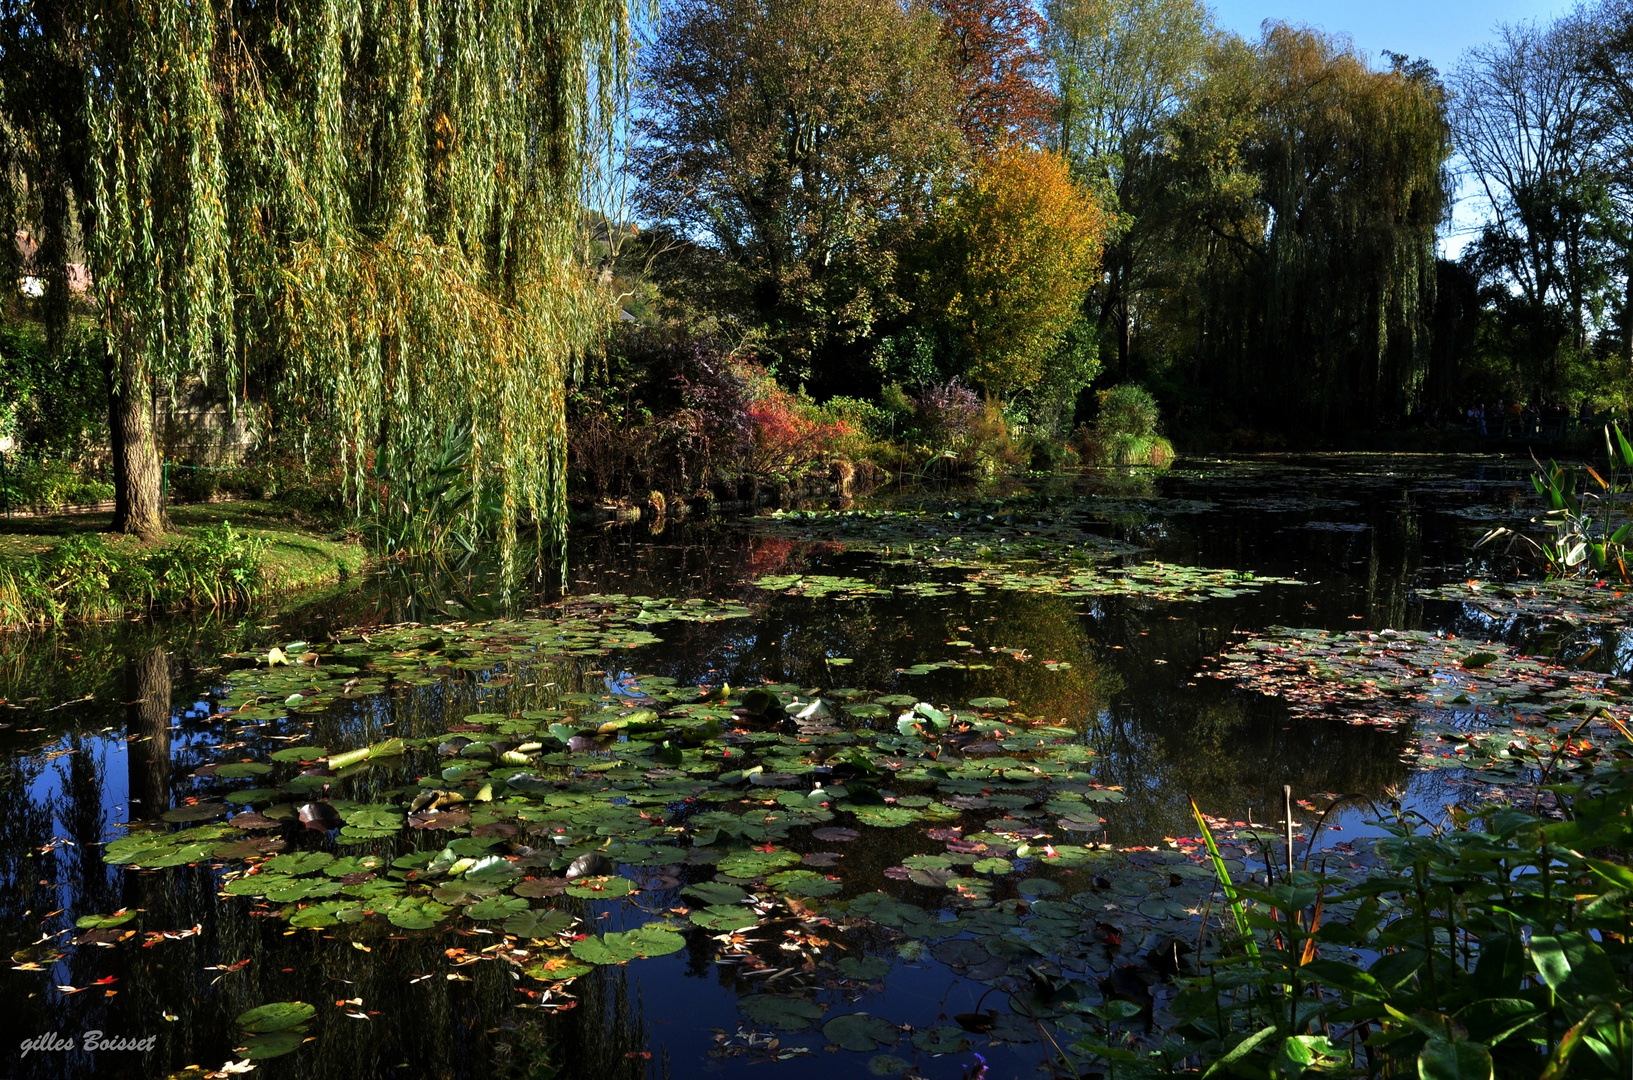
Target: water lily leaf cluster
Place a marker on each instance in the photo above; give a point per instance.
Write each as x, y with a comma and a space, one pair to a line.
1572, 601
1399, 677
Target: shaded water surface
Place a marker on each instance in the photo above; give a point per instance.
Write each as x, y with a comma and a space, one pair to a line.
108, 725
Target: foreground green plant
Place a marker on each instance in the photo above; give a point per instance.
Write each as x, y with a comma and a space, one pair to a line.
1585, 540
1127, 430
1494, 944
87, 577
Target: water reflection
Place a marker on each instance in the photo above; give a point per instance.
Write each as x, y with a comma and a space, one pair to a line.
76, 701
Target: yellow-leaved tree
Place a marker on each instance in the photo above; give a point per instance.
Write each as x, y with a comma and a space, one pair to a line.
1019, 245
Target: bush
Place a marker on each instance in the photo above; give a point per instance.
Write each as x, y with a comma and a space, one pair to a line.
1127, 430
51, 484
88, 577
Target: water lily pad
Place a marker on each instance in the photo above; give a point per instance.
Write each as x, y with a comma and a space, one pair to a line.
273, 1044
618, 948
721, 918
778, 1011
298, 862
104, 922
803, 883
756, 861
860, 1032
416, 913
496, 908
601, 888
278, 1016
715, 892
538, 924
239, 770
889, 1065
867, 968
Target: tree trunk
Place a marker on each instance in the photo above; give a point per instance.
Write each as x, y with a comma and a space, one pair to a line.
147, 733
138, 508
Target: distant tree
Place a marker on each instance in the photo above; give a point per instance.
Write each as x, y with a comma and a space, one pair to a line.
376, 198
998, 64
1019, 247
1124, 69
1307, 187
1524, 120
803, 139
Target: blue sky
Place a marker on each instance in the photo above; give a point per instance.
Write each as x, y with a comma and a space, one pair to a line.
1439, 31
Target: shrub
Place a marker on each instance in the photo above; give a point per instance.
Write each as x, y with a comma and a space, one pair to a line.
86, 577
788, 434
1127, 430
49, 484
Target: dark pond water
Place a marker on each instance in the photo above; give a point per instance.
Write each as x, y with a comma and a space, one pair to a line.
104, 727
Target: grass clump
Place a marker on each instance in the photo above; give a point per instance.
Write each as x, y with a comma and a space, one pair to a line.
1128, 430
68, 571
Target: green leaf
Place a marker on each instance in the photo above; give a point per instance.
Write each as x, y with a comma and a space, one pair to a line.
239, 770
298, 862
1574, 965
538, 924
104, 922
1447, 1059
722, 918
601, 888
860, 1032
496, 908
278, 1016
715, 892
416, 913
273, 1044
780, 1012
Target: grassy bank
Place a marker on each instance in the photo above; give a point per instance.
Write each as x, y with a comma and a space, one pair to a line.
66, 568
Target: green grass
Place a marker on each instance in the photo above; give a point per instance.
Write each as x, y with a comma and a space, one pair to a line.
66, 567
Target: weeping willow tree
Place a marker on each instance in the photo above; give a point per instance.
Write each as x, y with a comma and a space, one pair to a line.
372, 199
1305, 187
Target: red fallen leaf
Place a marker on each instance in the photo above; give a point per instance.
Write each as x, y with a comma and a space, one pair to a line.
105, 980
644, 1055
768, 848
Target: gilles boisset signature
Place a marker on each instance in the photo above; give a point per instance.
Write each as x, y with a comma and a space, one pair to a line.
92, 1040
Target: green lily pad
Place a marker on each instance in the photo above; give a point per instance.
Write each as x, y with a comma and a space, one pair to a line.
715, 892
860, 1032
616, 948
273, 1044
278, 1016
722, 918
416, 913
496, 908
538, 924
104, 922
298, 862
601, 888
780, 1012
240, 770
867, 968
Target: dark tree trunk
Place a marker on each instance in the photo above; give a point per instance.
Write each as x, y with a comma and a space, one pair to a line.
147, 733
138, 506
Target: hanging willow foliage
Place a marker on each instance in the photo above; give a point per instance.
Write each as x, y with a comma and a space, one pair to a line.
374, 199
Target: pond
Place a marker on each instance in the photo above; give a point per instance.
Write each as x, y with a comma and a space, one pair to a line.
893, 789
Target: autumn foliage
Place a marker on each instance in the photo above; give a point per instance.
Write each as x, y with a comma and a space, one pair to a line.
1020, 241
999, 70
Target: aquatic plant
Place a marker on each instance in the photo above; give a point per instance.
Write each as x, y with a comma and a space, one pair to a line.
87, 576
1585, 540
1126, 431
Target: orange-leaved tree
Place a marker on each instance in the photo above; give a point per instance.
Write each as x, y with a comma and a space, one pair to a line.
1020, 242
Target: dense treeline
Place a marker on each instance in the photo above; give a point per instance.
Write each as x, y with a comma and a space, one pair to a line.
931, 235
1270, 211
